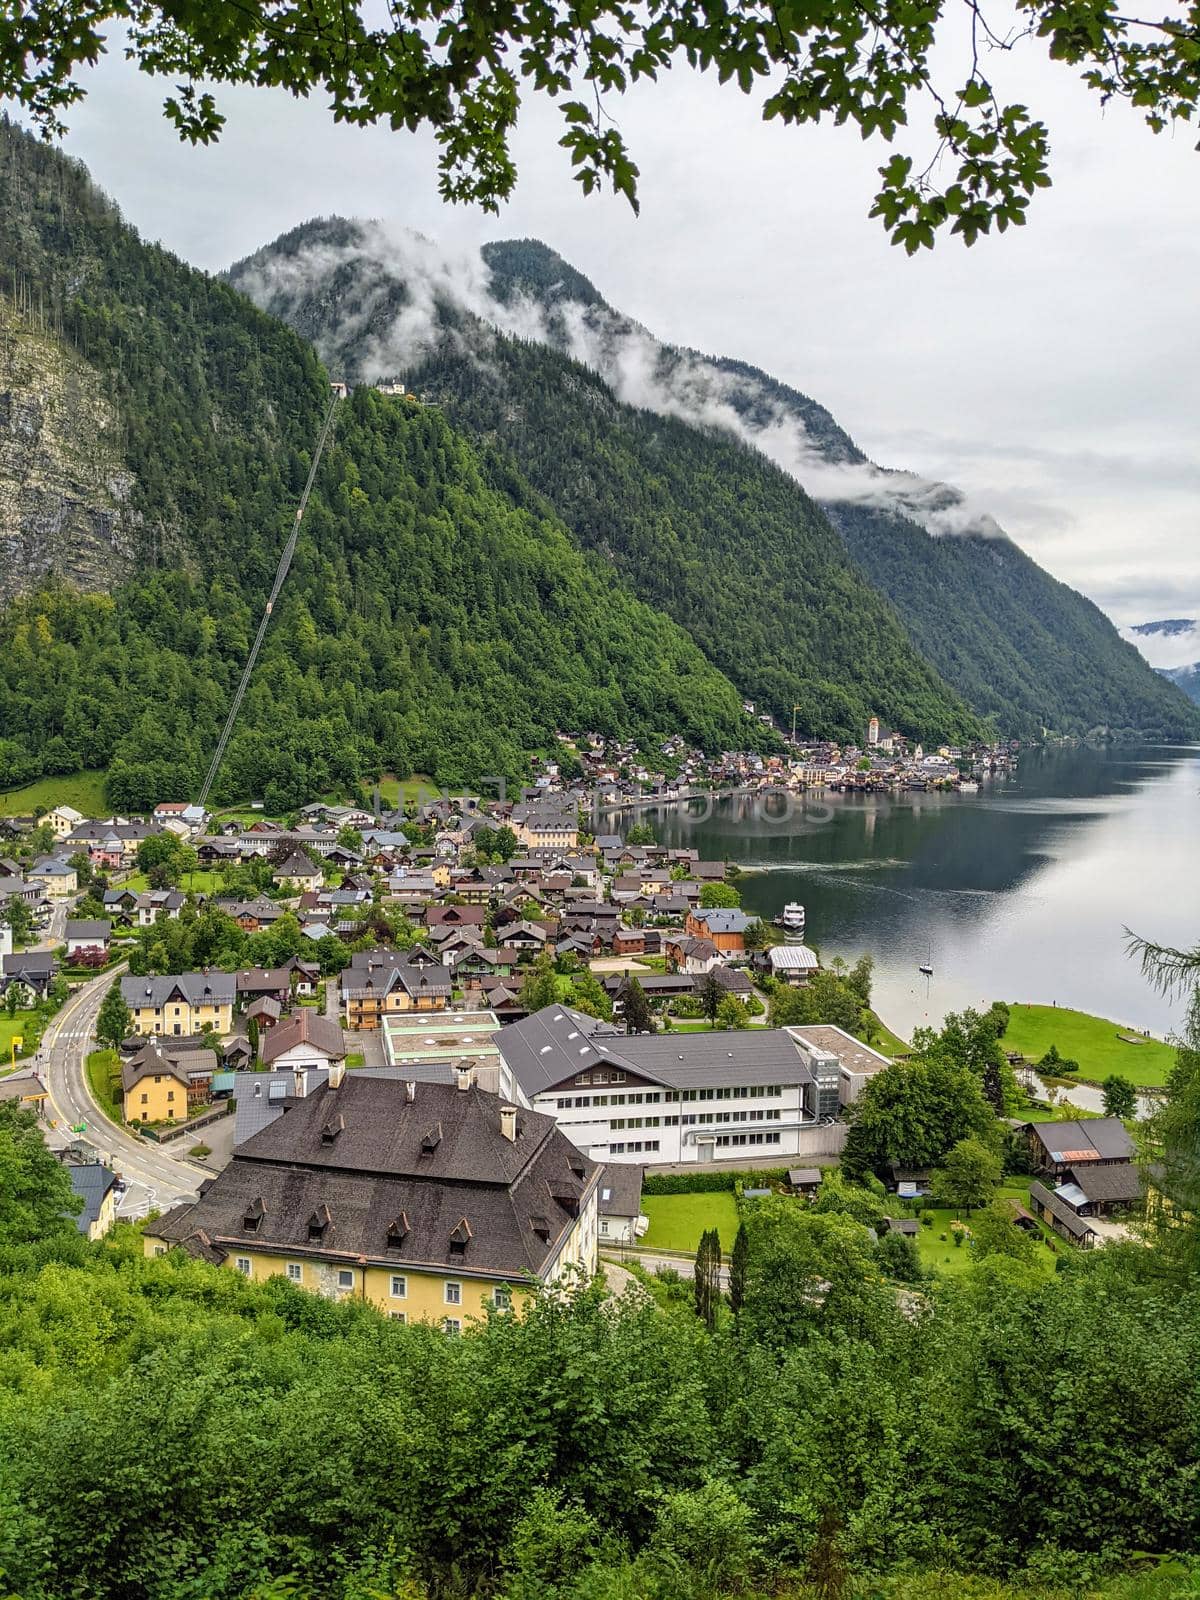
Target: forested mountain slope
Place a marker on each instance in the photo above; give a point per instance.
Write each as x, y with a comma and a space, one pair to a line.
432, 621
712, 534
715, 532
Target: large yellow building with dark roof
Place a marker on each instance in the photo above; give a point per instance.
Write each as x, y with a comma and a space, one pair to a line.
433, 1202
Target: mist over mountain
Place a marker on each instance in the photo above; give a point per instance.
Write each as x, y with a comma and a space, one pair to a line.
523, 351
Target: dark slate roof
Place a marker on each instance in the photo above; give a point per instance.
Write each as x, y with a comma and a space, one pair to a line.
1118, 1184
85, 928
91, 1183
1092, 1139
179, 1064
1078, 1227
198, 988
371, 1157
254, 980
621, 1189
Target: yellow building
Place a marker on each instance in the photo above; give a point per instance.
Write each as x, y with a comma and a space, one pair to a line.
158, 1085
180, 1005
432, 1201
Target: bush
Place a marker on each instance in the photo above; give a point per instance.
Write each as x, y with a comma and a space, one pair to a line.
710, 1182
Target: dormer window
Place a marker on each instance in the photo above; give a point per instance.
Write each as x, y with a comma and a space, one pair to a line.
253, 1215
332, 1128
460, 1238
398, 1231
318, 1224
541, 1226
431, 1140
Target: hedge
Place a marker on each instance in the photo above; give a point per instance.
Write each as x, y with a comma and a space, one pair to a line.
711, 1182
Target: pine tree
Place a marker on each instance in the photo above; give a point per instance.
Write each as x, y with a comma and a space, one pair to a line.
252, 1037
638, 1017
738, 1263
112, 1022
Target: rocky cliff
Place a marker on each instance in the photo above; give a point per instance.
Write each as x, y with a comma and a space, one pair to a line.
64, 490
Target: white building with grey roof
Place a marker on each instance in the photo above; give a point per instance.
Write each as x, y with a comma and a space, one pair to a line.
686, 1097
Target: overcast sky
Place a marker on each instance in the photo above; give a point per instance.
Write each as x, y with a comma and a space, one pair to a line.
1051, 372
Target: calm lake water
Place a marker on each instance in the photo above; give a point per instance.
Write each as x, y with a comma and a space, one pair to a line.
1020, 892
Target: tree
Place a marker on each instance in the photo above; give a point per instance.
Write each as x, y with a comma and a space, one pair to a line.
911, 1113
350, 839
756, 936
589, 997
465, 82
637, 1016
968, 1176
839, 1193
540, 987
719, 896
1120, 1097
709, 994
113, 1020
995, 1233
737, 1269
707, 1277
1171, 1161
252, 1037
971, 1039
640, 834
731, 1013
505, 844
20, 919
899, 1259
36, 1199
808, 1275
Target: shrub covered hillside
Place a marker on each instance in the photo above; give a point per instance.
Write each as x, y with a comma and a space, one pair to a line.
432, 622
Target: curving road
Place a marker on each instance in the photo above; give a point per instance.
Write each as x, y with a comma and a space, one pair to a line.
156, 1178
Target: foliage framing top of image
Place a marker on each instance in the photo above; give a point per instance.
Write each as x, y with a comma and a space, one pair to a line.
460, 67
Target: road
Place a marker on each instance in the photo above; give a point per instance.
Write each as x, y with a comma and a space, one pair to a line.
156, 1178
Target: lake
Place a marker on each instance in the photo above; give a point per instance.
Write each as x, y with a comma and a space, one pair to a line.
1019, 892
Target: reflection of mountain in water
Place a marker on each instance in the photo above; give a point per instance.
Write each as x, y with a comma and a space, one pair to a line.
1023, 891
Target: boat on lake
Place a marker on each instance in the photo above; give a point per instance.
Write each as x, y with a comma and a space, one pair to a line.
791, 920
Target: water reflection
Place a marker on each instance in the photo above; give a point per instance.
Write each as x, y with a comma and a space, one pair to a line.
1021, 892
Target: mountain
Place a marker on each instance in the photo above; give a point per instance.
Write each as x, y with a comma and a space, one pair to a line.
433, 620
686, 472
1169, 628
1185, 678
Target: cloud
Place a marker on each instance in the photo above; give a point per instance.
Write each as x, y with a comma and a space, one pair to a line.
401, 284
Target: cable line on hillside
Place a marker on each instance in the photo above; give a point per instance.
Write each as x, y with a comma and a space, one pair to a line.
281, 573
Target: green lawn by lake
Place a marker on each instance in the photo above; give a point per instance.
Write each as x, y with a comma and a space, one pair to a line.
83, 790
944, 1257
678, 1220
1092, 1041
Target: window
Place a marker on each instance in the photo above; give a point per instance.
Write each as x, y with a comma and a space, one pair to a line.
454, 1294
243, 1266
145, 1099
502, 1297
618, 1077
452, 1326
346, 1278
399, 1289
170, 1094
398, 1316
160, 1249
295, 1271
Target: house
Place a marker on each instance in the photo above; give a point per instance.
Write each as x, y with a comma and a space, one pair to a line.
620, 1207
265, 1011
372, 990
1055, 1148
58, 878
455, 916
792, 963
191, 817
30, 971
253, 915
180, 1005
297, 872
694, 1097
156, 903
303, 1041
685, 954
628, 942
263, 983
725, 927
165, 1085
121, 903
1095, 1191
62, 820
27, 1088
85, 936
1063, 1218
433, 1202
96, 1186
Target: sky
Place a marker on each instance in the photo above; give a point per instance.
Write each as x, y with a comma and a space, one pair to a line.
1050, 372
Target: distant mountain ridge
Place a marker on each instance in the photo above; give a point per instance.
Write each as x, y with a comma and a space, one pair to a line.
1185, 678
1168, 628
640, 448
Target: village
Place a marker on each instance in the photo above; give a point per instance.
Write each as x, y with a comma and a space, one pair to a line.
435, 986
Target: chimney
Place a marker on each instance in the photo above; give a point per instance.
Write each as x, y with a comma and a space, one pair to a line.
508, 1123
410, 1092
464, 1077
337, 1071
300, 1082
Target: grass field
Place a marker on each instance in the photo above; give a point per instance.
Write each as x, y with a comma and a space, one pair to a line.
884, 1040
83, 790
398, 792
945, 1257
202, 881
678, 1220
99, 1065
23, 1026
1092, 1041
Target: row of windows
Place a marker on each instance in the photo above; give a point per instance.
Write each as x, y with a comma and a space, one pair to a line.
398, 1289
690, 1119
655, 1097
633, 1147
567, 1103
637, 1122
724, 1139
601, 1075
